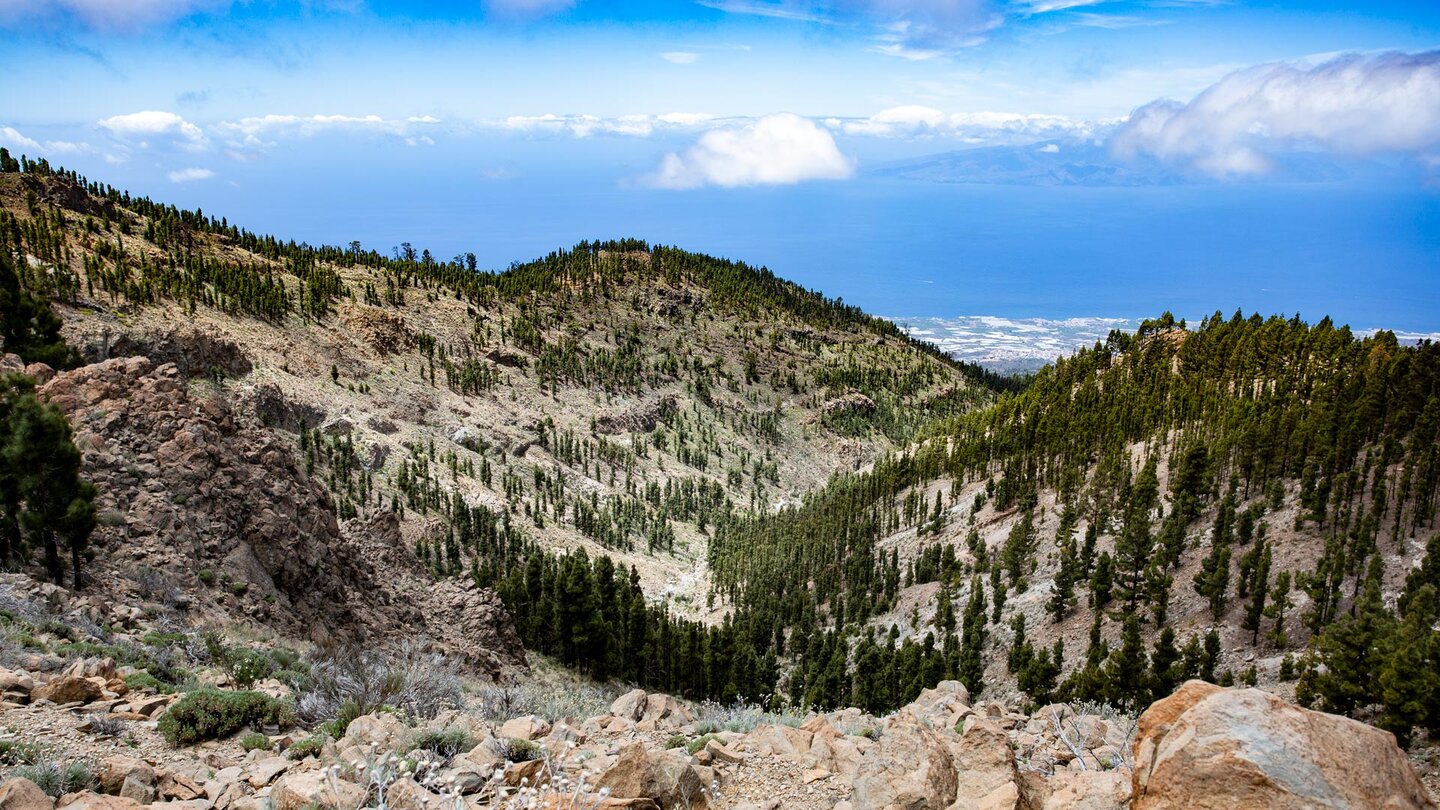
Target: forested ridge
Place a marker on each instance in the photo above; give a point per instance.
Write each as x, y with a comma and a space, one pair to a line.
1262, 482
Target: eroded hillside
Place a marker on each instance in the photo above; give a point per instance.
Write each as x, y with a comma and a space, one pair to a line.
617, 398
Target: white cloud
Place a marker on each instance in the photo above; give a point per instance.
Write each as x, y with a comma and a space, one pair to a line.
1351, 105
916, 121
189, 175
141, 128
680, 57
1050, 149
15, 140
775, 150
261, 131
583, 126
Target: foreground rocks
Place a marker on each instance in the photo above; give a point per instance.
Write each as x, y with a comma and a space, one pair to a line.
1202, 748
1205, 747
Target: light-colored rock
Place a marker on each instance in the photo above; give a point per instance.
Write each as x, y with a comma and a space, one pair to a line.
22, 794
87, 800
666, 777
382, 729
910, 769
407, 794
309, 789
179, 787
68, 689
524, 728
1207, 748
264, 771
116, 770
936, 706
630, 705
1077, 790
984, 762
16, 681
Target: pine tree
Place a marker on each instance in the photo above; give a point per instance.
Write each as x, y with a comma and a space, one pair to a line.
1127, 668
1166, 666
58, 504
1349, 649
1134, 544
1408, 679
1259, 590
1275, 611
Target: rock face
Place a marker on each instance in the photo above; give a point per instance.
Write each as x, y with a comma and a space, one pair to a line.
1205, 747
187, 485
909, 770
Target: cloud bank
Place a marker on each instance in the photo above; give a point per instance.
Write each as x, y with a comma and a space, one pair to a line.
775, 150
1354, 105
141, 128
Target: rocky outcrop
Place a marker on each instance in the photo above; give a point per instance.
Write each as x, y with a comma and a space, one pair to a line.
1205, 747
641, 418
218, 517
194, 353
184, 486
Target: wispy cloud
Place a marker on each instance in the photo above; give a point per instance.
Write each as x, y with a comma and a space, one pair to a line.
778, 149
189, 175
263, 131
583, 126
680, 57
520, 9
105, 15
915, 121
1351, 105
18, 142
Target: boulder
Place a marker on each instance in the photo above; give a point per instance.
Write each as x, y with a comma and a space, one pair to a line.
665, 710
631, 705
524, 728
1206, 748
117, 771
909, 769
315, 789
87, 800
383, 730
68, 689
407, 794
985, 765
22, 794
1077, 790
667, 778
938, 705
264, 771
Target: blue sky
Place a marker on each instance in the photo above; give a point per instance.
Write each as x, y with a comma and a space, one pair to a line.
1017, 158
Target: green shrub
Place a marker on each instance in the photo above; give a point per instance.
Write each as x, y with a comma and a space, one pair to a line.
308, 747
676, 741
207, 577
518, 750
255, 741
349, 710
55, 778
209, 714
145, 682
445, 743
698, 743
247, 666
